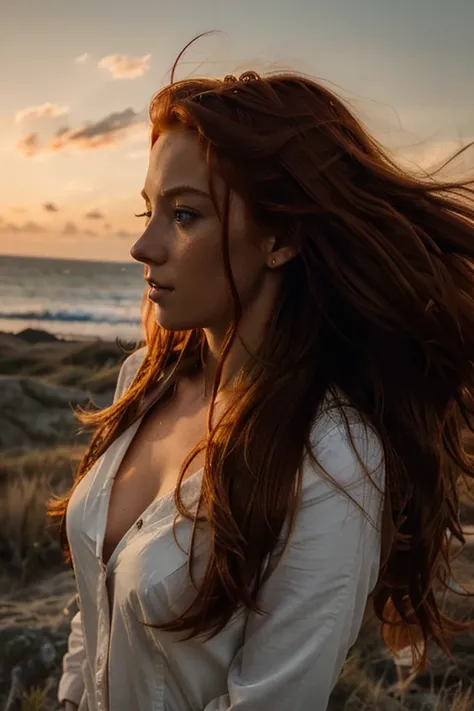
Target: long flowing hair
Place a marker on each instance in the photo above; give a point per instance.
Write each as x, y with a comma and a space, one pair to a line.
377, 305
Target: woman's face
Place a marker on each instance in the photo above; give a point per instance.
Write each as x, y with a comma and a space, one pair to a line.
181, 244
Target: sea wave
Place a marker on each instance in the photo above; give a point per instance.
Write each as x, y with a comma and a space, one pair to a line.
72, 316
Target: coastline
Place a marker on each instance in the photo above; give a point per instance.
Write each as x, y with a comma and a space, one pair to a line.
42, 335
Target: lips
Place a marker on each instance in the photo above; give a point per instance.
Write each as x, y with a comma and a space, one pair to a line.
157, 294
156, 285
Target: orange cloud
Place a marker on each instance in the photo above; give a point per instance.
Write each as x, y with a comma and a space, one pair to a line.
122, 66
94, 215
46, 110
69, 229
104, 133
50, 207
9, 227
124, 234
28, 145
30, 227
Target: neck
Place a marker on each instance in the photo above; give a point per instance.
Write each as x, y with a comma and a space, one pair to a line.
248, 339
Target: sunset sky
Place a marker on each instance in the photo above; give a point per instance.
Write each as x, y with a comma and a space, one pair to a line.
78, 76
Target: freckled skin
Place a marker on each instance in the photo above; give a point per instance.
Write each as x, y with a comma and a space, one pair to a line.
181, 247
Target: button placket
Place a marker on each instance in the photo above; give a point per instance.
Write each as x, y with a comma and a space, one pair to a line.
103, 635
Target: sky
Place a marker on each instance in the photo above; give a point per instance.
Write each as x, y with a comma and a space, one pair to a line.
77, 79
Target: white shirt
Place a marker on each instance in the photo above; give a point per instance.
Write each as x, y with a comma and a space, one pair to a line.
316, 597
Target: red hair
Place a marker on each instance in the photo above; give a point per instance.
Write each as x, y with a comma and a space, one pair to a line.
378, 305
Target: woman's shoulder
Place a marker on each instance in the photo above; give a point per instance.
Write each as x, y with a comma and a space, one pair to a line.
128, 370
134, 360
345, 446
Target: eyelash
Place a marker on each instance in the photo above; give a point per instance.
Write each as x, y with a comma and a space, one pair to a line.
178, 209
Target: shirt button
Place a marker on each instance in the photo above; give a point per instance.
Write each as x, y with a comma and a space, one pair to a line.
139, 523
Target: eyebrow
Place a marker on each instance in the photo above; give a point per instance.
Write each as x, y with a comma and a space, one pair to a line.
178, 190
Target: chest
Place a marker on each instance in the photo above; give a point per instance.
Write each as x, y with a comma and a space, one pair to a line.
150, 467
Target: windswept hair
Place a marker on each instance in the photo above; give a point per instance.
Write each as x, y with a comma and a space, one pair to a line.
377, 305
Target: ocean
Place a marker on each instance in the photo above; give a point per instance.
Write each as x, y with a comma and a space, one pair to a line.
71, 298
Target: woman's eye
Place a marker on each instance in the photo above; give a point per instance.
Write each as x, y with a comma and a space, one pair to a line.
181, 215
190, 215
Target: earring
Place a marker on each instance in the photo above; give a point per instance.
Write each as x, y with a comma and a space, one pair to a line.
273, 261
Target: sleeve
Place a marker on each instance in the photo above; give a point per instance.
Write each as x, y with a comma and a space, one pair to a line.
317, 594
71, 684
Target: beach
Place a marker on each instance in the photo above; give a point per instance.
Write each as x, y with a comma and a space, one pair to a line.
71, 298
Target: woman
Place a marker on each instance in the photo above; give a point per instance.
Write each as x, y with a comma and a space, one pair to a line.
309, 339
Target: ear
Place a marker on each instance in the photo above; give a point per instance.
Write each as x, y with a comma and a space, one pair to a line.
277, 256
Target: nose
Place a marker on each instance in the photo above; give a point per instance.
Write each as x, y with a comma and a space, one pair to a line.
136, 251
148, 249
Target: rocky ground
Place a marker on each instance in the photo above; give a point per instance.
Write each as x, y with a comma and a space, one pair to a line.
40, 377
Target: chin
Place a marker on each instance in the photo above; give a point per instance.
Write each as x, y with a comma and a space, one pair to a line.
173, 324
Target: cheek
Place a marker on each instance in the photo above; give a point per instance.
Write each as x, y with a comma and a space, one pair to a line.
247, 267
201, 273
246, 256
200, 263
202, 295
201, 254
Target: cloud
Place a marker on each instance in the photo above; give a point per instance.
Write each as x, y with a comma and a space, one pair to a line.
121, 66
30, 227
107, 132
94, 215
124, 234
50, 207
104, 133
90, 233
69, 229
28, 145
9, 227
82, 58
42, 111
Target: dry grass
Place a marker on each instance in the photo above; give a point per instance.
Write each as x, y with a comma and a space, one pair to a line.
368, 680
29, 547
28, 541
460, 701
68, 363
35, 699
